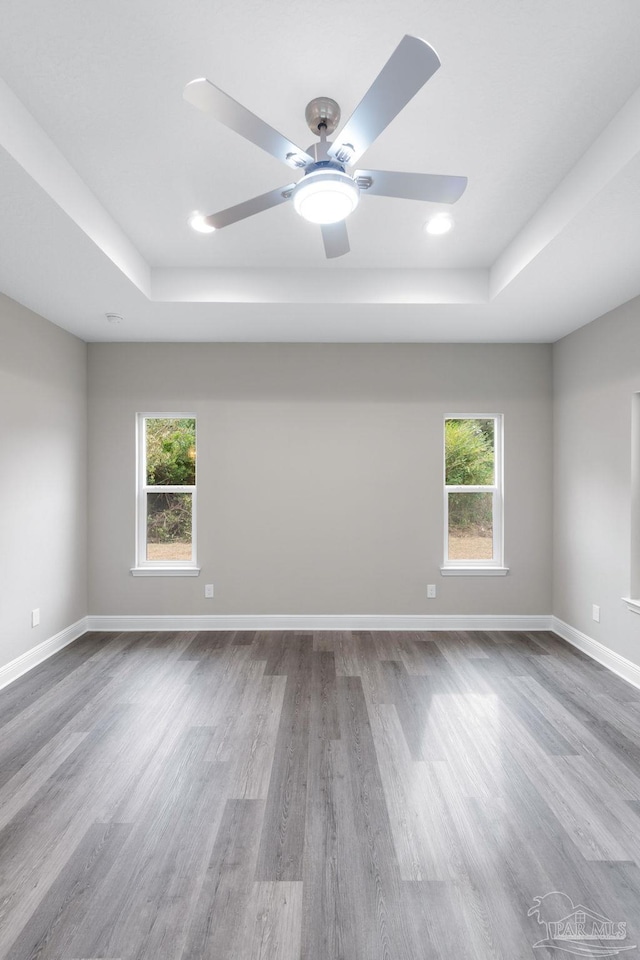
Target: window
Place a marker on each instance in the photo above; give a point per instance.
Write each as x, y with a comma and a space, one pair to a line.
473, 495
166, 500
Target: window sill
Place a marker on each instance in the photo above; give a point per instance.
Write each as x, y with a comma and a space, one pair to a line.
165, 571
474, 571
633, 605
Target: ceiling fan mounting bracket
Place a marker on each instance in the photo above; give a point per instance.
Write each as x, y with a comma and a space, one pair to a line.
322, 115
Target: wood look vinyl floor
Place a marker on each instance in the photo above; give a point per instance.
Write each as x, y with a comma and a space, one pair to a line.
327, 796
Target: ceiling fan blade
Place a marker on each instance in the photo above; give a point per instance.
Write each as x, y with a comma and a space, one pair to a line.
248, 207
411, 64
411, 186
335, 239
210, 99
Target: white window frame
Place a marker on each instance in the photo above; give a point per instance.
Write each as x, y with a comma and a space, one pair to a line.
160, 568
479, 568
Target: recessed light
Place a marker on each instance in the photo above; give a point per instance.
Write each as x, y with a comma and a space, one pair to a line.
439, 224
199, 222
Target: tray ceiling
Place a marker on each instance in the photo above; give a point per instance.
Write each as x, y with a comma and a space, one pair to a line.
102, 162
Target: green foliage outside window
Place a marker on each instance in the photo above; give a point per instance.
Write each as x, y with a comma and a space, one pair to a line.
469, 461
171, 461
469, 452
171, 452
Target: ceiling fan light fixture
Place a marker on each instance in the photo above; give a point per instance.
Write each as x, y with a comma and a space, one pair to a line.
326, 196
198, 222
439, 224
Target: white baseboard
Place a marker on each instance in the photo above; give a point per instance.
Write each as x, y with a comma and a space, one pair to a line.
613, 661
318, 622
118, 624
27, 661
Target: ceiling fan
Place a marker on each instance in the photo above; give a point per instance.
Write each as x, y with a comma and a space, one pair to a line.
326, 193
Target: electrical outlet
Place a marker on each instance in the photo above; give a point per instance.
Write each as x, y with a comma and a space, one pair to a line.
35, 617
595, 612
208, 591
431, 591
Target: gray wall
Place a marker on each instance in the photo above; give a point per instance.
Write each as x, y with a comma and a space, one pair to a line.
320, 471
327, 453
596, 374
43, 453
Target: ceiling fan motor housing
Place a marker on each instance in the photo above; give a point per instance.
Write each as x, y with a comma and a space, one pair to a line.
326, 193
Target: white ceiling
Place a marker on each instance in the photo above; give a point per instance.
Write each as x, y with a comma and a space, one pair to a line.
102, 162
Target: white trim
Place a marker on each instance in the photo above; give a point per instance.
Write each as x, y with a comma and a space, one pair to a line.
478, 571
613, 661
165, 571
633, 605
26, 661
496, 489
306, 622
143, 489
618, 664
